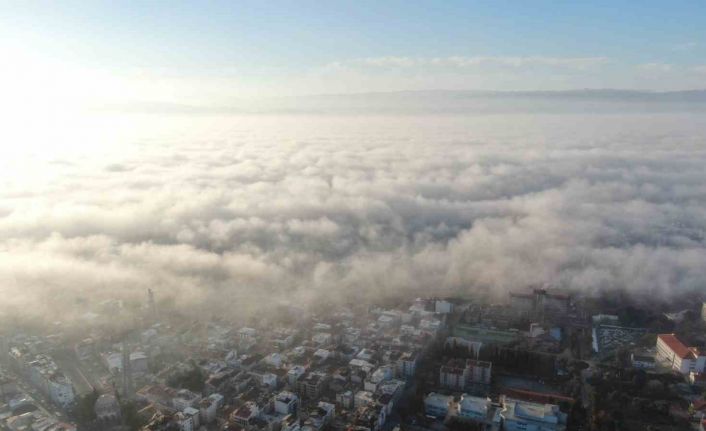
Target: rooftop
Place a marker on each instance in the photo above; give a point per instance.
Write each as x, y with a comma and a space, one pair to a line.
678, 347
534, 412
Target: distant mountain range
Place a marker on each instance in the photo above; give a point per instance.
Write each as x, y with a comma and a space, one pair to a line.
449, 101
599, 94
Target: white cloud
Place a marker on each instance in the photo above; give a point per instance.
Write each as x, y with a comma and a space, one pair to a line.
236, 214
686, 46
656, 67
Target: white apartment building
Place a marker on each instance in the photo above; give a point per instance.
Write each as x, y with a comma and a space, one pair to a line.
437, 405
671, 351
526, 416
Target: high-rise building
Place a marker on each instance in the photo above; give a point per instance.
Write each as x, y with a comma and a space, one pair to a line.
127, 372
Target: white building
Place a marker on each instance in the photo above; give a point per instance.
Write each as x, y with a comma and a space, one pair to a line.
208, 407
473, 408
322, 327
61, 391
443, 307
185, 422
274, 359
430, 325
321, 338
322, 354
407, 364
245, 413
294, 374
457, 374
286, 403
376, 377
193, 415
114, 362
672, 352
365, 355
232, 359
525, 416
269, 380
437, 405
643, 361
185, 398
363, 398
345, 399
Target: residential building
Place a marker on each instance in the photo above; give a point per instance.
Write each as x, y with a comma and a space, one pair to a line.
453, 374
193, 416
407, 364
643, 361
526, 416
107, 408
437, 405
245, 414
473, 408
61, 391
312, 385
185, 398
443, 307
208, 408
363, 398
458, 374
345, 399
286, 403
672, 352
294, 374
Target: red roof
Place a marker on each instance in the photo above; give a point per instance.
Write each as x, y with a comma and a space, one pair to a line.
678, 347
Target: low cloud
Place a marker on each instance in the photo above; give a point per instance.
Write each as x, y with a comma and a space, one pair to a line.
237, 214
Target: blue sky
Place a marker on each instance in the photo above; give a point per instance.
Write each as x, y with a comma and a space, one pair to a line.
213, 51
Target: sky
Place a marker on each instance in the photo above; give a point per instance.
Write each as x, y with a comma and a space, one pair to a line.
212, 53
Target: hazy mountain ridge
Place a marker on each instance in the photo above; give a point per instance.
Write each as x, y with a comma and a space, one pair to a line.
445, 101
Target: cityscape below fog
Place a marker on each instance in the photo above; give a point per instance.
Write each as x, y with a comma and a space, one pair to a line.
539, 359
398, 215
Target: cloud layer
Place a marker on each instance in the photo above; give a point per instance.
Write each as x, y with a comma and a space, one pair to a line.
235, 214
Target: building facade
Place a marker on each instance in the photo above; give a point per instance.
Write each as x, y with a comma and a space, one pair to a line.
671, 351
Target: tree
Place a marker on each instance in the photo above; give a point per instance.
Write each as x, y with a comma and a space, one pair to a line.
193, 380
